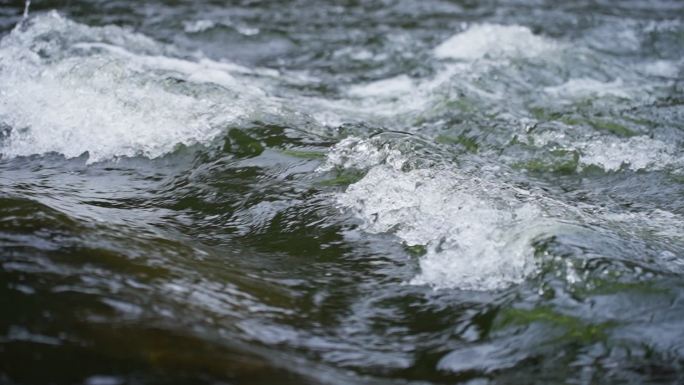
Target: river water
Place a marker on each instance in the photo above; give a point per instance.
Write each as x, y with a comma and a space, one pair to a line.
348, 192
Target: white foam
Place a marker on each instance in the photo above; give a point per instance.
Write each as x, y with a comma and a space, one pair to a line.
246, 30
583, 87
391, 87
478, 234
356, 153
400, 96
357, 53
197, 26
71, 89
203, 25
664, 68
636, 153
476, 238
490, 40
613, 153
390, 97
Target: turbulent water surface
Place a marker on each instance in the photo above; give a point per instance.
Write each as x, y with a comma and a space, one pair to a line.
348, 192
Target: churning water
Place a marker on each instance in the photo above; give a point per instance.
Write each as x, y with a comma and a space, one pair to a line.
376, 192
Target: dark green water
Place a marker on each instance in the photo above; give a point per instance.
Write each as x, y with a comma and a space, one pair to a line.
350, 192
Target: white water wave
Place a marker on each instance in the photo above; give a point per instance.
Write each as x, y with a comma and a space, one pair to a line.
389, 88
479, 49
492, 41
203, 25
585, 87
357, 153
72, 89
198, 26
478, 235
474, 241
613, 154
664, 68
478, 231
636, 153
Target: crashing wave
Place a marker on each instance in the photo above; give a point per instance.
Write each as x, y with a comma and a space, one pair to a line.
490, 40
478, 235
73, 89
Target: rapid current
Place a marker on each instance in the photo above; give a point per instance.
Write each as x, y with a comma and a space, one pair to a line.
342, 192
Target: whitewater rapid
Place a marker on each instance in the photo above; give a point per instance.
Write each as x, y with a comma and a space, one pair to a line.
107, 93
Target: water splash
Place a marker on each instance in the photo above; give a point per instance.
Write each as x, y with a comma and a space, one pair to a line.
27, 5
477, 234
99, 98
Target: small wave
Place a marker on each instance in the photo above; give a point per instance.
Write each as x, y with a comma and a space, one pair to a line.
203, 25
637, 153
401, 84
479, 74
477, 231
197, 26
490, 40
478, 235
663, 68
357, 153
583, 87
613, 154
72, 89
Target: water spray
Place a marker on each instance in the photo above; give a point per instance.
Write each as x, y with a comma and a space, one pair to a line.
27, 5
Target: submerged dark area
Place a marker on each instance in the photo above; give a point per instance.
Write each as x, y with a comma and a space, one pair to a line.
342, 192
